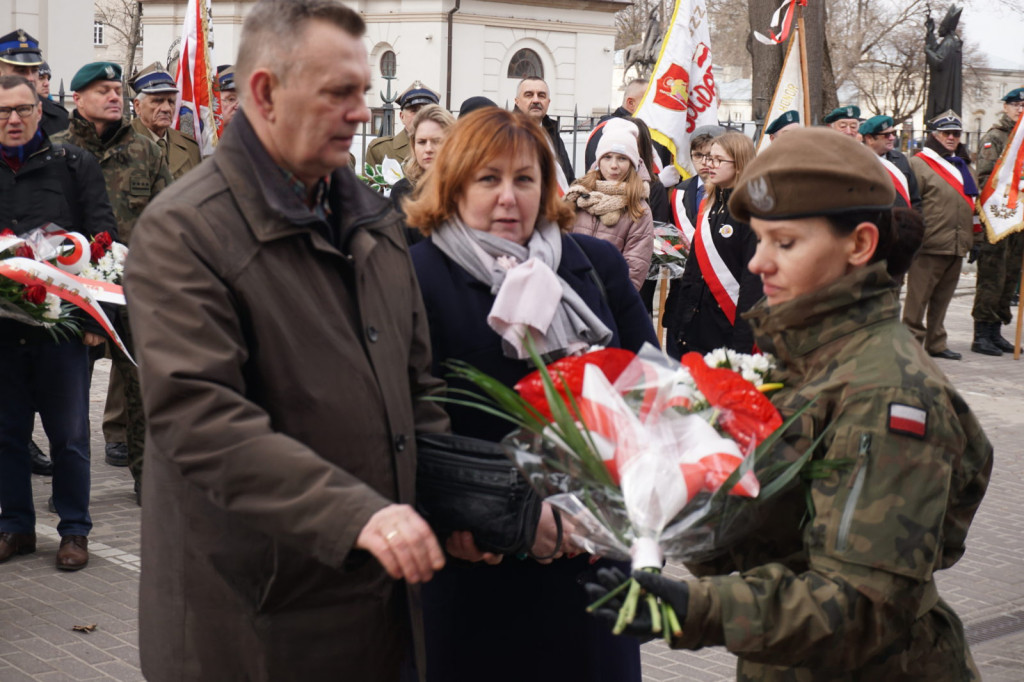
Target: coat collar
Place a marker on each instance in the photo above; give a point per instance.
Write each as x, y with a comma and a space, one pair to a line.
273, 210
795, 328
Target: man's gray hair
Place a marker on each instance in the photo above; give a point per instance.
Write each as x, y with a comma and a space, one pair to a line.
637, 84
519, 88
273, 29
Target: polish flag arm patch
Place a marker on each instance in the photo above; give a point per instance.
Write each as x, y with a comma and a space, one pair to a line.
908, 420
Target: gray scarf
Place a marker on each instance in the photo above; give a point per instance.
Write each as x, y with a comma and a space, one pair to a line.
487, 257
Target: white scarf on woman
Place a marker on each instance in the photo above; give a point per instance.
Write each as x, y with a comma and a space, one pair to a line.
529, 296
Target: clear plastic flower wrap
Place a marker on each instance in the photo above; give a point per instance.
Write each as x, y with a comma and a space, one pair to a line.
671, 248
648, 457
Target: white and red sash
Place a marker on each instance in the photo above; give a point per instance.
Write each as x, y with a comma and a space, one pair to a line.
682, 223
724, 286
898, 179
947, 171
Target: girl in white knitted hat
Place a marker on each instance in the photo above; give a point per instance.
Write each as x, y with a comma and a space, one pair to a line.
611, 200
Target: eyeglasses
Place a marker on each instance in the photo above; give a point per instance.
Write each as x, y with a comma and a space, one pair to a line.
1016, 105
891, 133
697, 158
716, 161
24, 111
950, 133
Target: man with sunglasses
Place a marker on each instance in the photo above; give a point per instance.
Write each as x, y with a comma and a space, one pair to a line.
879, 135
948, 192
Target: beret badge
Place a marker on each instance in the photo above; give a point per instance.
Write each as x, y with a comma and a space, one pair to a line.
760, 197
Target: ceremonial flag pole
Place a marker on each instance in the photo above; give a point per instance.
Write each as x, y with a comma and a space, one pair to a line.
1000, 204
198, 103
790, 91
801, 36
682, 94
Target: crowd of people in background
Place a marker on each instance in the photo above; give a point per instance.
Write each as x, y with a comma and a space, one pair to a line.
284, 338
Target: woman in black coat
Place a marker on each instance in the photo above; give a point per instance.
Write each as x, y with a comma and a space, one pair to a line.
492, 191
703, 311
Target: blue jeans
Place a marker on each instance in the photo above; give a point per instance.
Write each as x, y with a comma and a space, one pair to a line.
53, 380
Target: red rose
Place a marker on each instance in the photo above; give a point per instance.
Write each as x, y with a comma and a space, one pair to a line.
8, 232
25, 251
104, 240
96, 251
35, 293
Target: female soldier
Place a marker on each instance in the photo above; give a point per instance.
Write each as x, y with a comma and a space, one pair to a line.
849, 594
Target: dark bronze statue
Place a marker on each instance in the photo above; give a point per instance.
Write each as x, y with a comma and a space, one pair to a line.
945, 56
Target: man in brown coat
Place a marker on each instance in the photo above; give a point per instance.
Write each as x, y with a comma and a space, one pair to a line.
284, 352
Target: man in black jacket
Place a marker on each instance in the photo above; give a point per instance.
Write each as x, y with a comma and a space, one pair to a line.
532, 99
20, 56
43, 182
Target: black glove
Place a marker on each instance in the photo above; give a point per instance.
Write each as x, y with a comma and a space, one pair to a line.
676, 593
973, 255
607, 580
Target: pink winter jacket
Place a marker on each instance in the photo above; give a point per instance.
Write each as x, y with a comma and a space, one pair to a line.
633, 238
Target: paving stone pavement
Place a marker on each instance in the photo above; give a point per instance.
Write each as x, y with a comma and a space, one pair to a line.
39, 606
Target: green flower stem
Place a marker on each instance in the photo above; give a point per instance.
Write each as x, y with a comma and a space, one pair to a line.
672, 624
628, 611
606, 598
652, 604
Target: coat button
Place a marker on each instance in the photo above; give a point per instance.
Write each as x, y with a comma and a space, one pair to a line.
400, 442
371, 334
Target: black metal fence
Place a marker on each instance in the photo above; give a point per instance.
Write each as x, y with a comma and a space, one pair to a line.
576, 128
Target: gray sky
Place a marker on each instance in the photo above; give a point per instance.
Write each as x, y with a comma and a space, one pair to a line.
999, 32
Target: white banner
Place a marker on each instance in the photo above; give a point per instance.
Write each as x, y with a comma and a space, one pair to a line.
682, 95
789, 93
1000, 200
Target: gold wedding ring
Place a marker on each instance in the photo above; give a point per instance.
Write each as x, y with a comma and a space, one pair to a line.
387, 538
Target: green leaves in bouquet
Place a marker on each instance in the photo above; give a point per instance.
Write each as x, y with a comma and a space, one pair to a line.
374, 177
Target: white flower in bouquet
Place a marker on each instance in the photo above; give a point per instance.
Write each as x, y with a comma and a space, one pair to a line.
52, 311
391, 170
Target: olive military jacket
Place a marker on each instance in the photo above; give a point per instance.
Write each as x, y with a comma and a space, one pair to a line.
396, 147
282, 359
850, 594
182, 151
992, 145
133, 167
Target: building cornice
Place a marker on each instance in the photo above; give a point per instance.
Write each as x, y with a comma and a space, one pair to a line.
482, 20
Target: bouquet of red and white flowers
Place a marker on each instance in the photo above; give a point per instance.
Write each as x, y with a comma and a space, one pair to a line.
48, 272
650, 458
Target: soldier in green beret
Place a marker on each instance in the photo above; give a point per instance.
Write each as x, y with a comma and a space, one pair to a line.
998, 264
844, 119
787, 121
838, 581
135, 170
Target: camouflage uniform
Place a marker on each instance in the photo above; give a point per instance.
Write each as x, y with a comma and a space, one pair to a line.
135, 171
998, 264
850, 594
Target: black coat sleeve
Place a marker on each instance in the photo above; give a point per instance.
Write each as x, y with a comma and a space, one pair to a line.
751, 292
661, 212
93, 204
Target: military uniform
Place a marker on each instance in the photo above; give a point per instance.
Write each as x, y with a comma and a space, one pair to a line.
851, 594
135, 171
999, 264
182, 151
396, 147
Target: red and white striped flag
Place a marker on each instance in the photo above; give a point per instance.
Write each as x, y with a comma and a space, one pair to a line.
198, 104
1001, 204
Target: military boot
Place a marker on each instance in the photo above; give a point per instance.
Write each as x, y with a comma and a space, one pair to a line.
997, 338
982, 340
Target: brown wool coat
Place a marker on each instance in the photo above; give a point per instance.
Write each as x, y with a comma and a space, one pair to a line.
279, 377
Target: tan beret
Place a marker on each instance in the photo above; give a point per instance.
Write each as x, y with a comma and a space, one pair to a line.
812, 172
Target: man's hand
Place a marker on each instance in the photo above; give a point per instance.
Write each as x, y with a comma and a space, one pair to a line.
461, 546
92, 340
403, 543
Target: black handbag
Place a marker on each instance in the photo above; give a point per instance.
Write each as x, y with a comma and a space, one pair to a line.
469, 484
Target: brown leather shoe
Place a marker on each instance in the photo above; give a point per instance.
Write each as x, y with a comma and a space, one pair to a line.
73, 554
16, 543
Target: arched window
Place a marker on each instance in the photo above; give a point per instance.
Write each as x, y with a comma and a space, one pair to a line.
387, 64
525, 64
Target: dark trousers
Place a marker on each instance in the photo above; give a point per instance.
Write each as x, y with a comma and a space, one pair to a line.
53, 380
